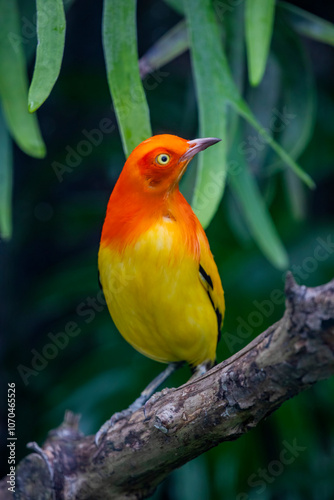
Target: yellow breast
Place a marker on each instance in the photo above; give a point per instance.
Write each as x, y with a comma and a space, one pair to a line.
156, 299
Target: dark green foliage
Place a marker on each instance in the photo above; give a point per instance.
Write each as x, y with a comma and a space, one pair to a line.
267, 216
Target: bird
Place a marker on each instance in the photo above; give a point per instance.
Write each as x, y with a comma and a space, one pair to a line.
156, 269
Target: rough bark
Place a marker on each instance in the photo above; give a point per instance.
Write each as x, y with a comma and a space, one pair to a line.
180, 424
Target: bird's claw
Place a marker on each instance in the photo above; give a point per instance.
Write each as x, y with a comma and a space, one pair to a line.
110, 423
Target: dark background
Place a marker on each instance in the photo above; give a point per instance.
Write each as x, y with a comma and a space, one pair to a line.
49, 270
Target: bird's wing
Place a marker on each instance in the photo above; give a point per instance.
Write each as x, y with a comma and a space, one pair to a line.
210, 279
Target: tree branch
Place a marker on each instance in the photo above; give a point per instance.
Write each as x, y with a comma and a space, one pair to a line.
180, 424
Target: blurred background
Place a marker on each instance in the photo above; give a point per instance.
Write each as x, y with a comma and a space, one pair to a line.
49, 266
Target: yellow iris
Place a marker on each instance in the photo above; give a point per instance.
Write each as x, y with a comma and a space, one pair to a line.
163, 159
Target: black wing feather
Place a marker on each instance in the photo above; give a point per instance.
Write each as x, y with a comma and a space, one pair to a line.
219, 315
206, 276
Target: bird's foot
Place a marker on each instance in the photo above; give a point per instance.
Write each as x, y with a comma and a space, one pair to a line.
138, 403
116, 417
201, 369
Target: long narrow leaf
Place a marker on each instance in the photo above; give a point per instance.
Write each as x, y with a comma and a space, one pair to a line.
259, 17
13, 83
298, 94
206, 61
255, 212
51, 26
299, 97
120, 51
239, 104
213, 78
5, 181
243, 109
235, 53
308, 24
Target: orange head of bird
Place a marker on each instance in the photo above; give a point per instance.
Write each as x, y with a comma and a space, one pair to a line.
158, 163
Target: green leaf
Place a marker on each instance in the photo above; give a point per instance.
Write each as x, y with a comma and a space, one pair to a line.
296, 195
255, 212
5, 181
308, 24
259, 17
298, 94
208, 67
51, 26
13, 83
215, 86
240, 105
166, 49
243, 109
235, 53
299, 97
120, 52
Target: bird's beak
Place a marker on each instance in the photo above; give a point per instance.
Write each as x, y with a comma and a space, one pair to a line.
197, 145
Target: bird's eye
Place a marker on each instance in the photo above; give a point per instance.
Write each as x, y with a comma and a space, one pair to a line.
163, 159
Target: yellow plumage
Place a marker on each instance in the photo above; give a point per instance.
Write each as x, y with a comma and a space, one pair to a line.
157, 298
